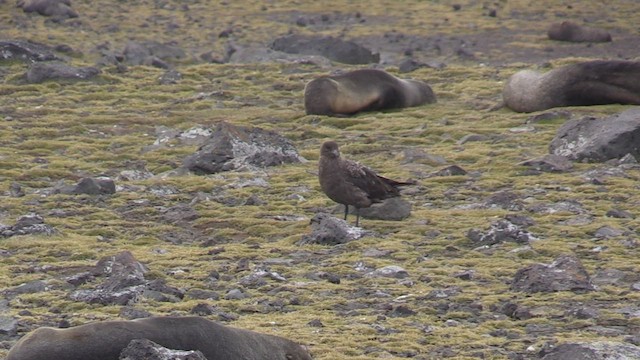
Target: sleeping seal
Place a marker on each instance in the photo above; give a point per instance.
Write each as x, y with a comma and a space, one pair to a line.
572, 32
105, 340
589, 83
363, 90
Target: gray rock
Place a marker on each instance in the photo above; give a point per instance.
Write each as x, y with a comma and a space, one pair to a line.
8, 327
90, 186
607, 232
236, 294
603, 350
170, 77
152, 53
392, 271
453, 170
500, 231
332, 48
25, 51
27, 225
328, 230
257, 54
124, 283
43, 71
233, 147
566, 273
549, 163
144, 349
569, 206
598, 140
549, 115
471, 138
30, 287
56, 8
15, 190
393, 209
609, 277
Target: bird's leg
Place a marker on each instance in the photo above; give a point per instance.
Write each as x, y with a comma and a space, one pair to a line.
357, 216
346, 211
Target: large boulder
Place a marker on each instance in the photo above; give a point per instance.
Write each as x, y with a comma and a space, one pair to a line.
602, 350
232, 147
566, 273
335, 49
598, 140
43, 71
55, 8
26, 51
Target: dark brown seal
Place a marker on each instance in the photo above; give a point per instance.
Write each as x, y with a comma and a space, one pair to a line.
589, 83
363, 90
570, 31
105, 340
350, 183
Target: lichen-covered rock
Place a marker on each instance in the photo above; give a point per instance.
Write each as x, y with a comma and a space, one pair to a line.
335, 49
328, 230
27, 225
566, 273
601, 350
232, 147
43, 71
26, 51
90, 186
599, 140
56, 8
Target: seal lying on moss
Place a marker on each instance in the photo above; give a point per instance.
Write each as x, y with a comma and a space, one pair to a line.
363, 90
589, 83
572, 32
105, 340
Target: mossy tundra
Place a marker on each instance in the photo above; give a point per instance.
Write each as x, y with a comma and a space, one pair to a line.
68, 130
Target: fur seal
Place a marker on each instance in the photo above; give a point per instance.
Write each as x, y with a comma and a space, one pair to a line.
589, 83
363, 90
105, 340
350, 183
570, 31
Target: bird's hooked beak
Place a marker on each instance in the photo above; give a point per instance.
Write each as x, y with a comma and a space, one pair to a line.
335, 153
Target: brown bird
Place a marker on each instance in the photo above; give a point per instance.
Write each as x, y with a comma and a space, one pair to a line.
350, 183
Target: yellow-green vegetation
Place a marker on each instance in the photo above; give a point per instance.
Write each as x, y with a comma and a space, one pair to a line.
65, 131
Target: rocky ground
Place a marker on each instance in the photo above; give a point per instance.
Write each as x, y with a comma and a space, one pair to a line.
106, 212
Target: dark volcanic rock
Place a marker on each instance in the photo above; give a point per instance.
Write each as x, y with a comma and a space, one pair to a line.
593, 351
26, 51
332, 48
90, 186
8, 327
591, 139
549, 163
259, 54
566, 273
27, 225
233, 147
500, 231
328, 230
572, 32
43, 71
152, 53
144, 349
125, 283
394, 209
56, 8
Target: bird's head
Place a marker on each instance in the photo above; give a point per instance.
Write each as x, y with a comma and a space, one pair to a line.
330, 150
